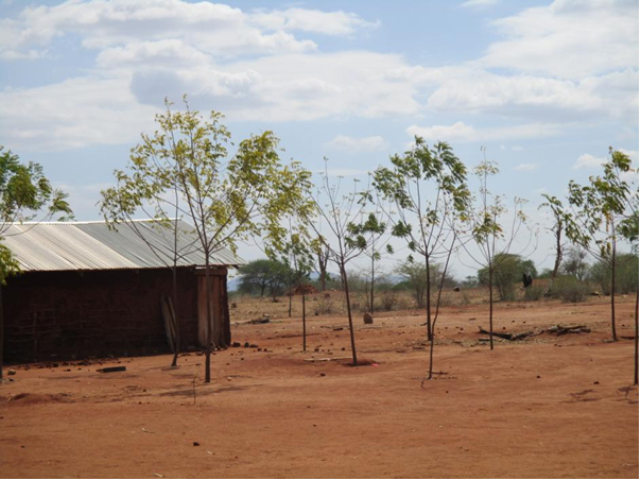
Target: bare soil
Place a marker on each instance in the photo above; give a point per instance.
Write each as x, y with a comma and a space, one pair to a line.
547, 406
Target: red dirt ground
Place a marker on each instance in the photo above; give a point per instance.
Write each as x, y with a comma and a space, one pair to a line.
545, 407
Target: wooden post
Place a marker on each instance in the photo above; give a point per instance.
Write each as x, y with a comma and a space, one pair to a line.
635, 361
2, 336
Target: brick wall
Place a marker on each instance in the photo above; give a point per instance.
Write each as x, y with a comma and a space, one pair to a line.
66, 315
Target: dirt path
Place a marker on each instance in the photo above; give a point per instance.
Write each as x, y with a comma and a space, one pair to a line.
546, 407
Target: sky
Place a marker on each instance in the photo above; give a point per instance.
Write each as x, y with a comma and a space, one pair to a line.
545, 86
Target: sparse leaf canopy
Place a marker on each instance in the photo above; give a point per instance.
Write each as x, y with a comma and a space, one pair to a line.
227, 199
593, 209
25, 195
428, 184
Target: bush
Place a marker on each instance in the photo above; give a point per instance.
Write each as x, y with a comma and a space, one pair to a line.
324, 305
569, 289
534, 293
626, 274
388, 300
507, 274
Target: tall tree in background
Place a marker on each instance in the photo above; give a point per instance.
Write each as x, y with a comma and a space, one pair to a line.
557, 230
628, 229
227, 200
340, 215
321, 253
26, 195
485, 229
378, 238
596, 212
428, 188
298, 251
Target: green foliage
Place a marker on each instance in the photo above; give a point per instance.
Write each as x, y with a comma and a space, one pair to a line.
8, 264
507, 273
407, 183
569, 289
626, 274
265, 276
575, 264
415, 275
534, 293
227, 200
25, 195
593, 208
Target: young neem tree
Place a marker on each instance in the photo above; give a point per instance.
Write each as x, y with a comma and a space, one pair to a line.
378, 238
428, 189
227, 200
346, 238
297, 251
484, 226
148, 187
595, 213
628, 229
557, 230
26, 195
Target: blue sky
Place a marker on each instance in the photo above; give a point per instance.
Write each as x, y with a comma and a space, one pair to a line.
546, 86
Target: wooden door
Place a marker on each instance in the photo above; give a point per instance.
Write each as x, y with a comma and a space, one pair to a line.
220, 331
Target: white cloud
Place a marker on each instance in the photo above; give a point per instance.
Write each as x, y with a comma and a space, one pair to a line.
588, 161
526, 167
478, 3
218, 29
316, 21
73, 113
568, 39
353, 144
459, 131
119, 100
287, 87
477, 91
250, 65
159, 53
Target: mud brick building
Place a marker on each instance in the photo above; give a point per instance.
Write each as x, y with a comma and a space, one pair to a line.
88, 291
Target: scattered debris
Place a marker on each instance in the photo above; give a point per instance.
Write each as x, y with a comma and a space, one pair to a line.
112, 369
507, 336
11, 372
562, 330
313, 360
196, 444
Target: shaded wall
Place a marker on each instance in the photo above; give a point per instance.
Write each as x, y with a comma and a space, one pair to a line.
66, 315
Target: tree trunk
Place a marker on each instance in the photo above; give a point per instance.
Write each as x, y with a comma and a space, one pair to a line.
635, 361
428, 268
558, 262
290, 301
304, 322
491, 306
614, 334
176, 340
2, 336
351, 332
373, 276
207, 367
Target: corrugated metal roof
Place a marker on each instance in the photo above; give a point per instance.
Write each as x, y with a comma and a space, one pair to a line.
56, 246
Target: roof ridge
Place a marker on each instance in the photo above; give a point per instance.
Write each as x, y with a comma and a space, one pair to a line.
88, 222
